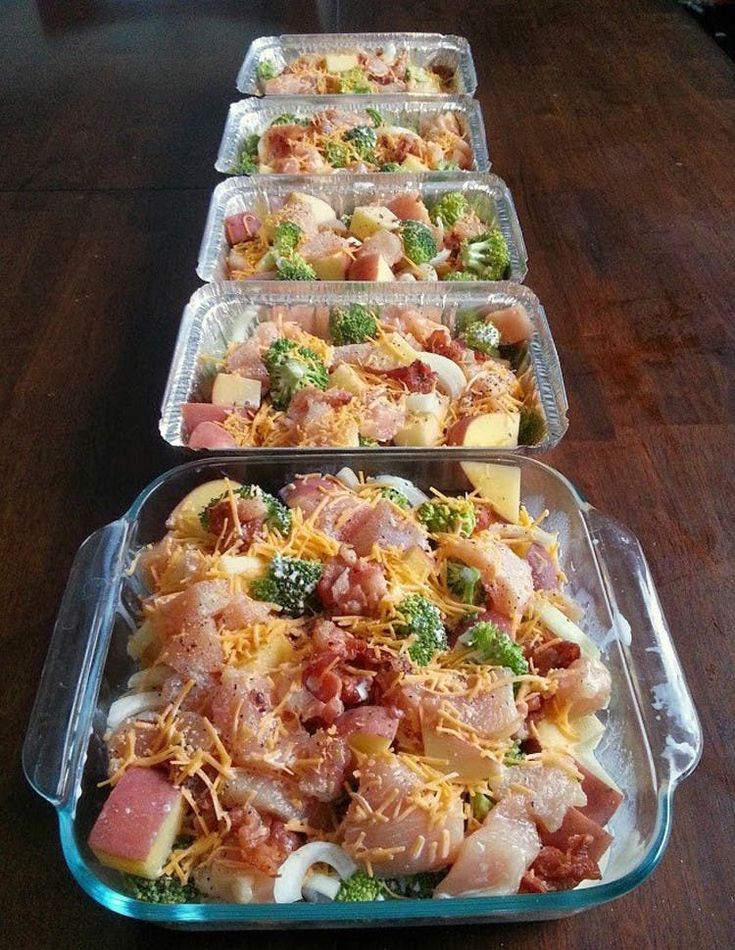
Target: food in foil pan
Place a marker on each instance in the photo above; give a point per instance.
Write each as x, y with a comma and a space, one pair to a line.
357, 71
356, 692
334, 140
402, 239
352, 375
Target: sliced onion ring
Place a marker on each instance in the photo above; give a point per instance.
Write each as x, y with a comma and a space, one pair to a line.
133, 705
415, 495
292, 873
348, 478
320, 886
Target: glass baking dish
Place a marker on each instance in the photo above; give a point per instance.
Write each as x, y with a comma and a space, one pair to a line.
424, 48
651, 742
229, 311
488, 194
254, 116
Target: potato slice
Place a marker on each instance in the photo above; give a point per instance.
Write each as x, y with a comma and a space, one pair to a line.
136, 828
498, 484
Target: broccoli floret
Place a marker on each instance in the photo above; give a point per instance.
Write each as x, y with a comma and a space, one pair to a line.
487, 255
413, 885
463, 581
397, 497
265, 70
360, 887
481, 805
421, 620
390, 167
287, 238
294, 268
456, 515
291, 583
483, 337
288, 118
163, 890
366, 441
461, 275
355, 80
337, 154
489, 645
422, 79
363, 140
466, 317
352, 324
445, 166
375, 116
290, 368
514, 755
247, 163
449, 209
419, 245
277, 515
532, 427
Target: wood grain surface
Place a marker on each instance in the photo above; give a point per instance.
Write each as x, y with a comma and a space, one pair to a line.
613, 123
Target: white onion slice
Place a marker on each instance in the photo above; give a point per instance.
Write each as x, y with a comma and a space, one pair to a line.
348, 478
424, 403
415, 495
134, 705
150, 678
320, 886
441, 257
292, 872
390, 51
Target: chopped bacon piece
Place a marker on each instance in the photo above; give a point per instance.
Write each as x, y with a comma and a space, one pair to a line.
417, 378
576, 824
241, 227
264, 841
556, 870
251, 514
441, 342
553, 655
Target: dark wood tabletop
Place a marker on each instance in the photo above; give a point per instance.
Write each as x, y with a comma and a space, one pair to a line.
614, 125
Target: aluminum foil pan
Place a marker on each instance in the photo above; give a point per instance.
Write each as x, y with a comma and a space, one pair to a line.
488, 194
425, 49
229, 312
255, 115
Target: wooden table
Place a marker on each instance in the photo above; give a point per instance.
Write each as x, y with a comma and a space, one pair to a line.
613, 124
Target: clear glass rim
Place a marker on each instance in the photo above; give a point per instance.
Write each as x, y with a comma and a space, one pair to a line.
472, 909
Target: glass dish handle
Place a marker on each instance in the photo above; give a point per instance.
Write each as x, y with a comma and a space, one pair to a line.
60, 723
642, 632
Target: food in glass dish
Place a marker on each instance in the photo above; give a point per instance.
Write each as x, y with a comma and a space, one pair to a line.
403, 239
356, 691
352, 375
335, 140
355, 72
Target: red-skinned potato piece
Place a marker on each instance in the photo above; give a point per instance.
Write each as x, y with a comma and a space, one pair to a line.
370, 267
194, 413
602, 800
210, 435
136, 828
513, 323
576, 823
409, 207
